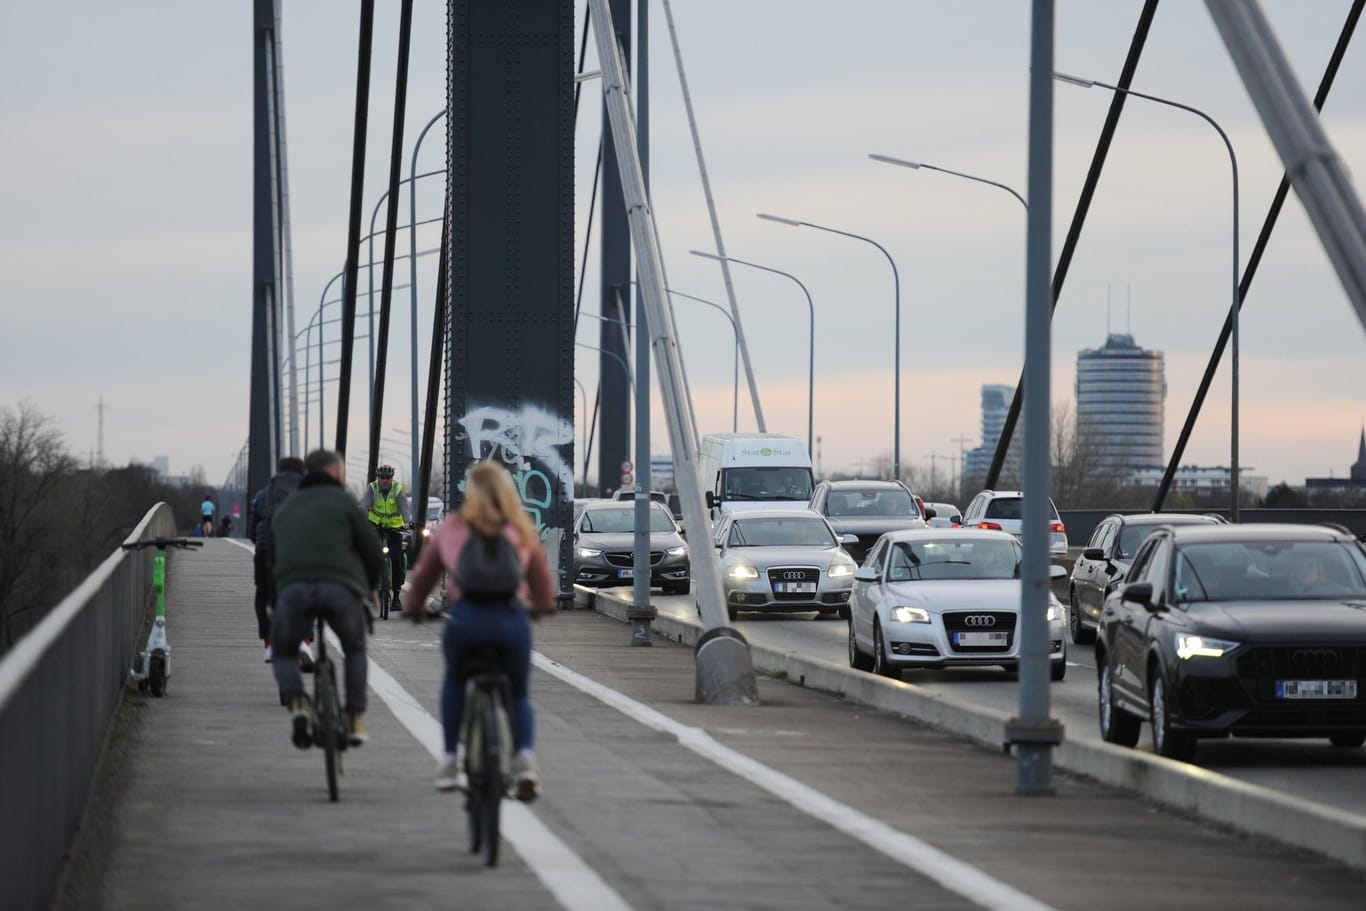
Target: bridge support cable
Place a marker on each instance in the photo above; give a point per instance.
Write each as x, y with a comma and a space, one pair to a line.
265, 373
286, 257
1088, 191
724, 668
405, 31
1254, 260
424, 478
367, 27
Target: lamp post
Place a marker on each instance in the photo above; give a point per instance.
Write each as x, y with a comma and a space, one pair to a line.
811, 346
1233, 319
896, 283
735, 333
412, 273
916, 165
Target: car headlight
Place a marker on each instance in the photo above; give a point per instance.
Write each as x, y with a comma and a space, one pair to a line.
742, 571
910, 615
588, 553
1188, 647
1055, 612
679, 551
841, 570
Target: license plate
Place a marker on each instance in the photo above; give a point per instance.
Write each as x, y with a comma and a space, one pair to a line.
626, 574
795, 588
981, 638
1316, 689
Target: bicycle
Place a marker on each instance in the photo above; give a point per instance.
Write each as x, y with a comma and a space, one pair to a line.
153, 668
486, 734
329, 724
386, 577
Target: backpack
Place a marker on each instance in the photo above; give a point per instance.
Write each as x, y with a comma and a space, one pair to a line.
489, 569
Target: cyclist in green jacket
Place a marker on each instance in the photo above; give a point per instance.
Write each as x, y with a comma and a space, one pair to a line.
385, 504
327, 562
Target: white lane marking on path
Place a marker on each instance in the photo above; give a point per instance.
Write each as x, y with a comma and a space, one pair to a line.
951, 873
574, 884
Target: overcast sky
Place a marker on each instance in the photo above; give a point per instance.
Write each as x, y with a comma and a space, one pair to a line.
125, 131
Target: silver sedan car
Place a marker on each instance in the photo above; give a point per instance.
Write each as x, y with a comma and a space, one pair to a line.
783, 561
944, 597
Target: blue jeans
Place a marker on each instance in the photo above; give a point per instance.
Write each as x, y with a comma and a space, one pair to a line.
469, 627
295, 608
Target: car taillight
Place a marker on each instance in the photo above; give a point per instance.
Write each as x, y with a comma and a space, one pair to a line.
1057, 527
992, 526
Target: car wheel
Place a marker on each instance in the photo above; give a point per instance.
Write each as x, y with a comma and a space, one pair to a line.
880, 664
1116, 725
1058, 670
681, 588
844, 612
1080, 634
1166, 742
1347, 740
732, 613
859, 660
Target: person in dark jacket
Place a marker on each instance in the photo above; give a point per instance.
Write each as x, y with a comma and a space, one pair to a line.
288, 473
327, 562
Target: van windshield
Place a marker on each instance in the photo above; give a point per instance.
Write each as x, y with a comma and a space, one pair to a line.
767, 483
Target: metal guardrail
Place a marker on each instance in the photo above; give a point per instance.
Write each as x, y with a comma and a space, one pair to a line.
59, 687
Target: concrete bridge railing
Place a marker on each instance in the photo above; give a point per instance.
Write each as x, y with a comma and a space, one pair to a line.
59, 687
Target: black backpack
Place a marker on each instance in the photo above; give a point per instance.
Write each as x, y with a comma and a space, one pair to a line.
489, 569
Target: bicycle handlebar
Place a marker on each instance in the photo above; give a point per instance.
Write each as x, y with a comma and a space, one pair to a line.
163, 543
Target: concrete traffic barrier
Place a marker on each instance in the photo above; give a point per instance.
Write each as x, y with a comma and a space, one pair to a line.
1244, 807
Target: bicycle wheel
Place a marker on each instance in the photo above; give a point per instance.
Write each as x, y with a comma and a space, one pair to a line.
384, 597
491, 794
156, 673
327, 724
474, 799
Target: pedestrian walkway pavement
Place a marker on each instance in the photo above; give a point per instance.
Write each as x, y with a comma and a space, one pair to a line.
651, 801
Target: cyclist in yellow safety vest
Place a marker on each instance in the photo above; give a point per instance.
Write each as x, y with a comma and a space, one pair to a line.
386, 506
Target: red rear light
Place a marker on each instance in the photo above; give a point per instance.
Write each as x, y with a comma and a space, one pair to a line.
1057, 527
992, 526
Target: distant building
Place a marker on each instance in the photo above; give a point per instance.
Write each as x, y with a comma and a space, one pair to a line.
161, 465
1195, 479
995, 407
1120, 393
1356, 479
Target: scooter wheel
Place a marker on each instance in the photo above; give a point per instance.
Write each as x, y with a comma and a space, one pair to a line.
156, 675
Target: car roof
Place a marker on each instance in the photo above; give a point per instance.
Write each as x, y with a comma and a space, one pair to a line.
1260, 531
949, 534
600, 505
855, 482
1168, 518
777, 514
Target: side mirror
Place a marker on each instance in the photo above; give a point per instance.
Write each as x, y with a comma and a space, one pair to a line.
682, 531
1056, 572
1093, 553
848, 539
930, 513
711, 499
719, 545
865, 574
1138, 593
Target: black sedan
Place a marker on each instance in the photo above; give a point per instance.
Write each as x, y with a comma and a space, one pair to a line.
1243, 630
604, 541
1104, 562
867, 510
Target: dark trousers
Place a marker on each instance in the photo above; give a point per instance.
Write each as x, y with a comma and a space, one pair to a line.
295, 609
265, 583
393, 539
471, 626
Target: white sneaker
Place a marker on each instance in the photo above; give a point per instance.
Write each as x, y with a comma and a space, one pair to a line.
305, 657
450, 773
526, 779
268, 653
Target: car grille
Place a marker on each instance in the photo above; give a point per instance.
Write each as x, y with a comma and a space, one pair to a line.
794, 574
1260, 668
957, 621
1303, 662
626, 559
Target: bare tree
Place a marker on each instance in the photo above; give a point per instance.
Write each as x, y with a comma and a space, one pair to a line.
34, 466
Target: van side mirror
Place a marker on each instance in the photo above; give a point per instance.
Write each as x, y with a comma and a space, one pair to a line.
711, 500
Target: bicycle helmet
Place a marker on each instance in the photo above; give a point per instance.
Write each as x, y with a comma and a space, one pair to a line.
384, 471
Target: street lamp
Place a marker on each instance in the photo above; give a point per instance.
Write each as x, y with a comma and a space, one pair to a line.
896, 282
917, 165
811, 347
1233, 319
735, 335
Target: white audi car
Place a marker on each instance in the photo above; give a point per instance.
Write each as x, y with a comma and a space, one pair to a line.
944, 597
783, 561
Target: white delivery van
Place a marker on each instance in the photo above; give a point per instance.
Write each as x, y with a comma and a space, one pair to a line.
750, 471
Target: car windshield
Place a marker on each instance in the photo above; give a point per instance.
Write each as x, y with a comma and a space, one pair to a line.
1134, 535
768, 483
623, 520
1269, 570
793, 531
870, 502
917, 561
1013, 508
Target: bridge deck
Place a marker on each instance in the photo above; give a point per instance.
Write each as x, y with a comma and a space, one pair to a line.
202, 802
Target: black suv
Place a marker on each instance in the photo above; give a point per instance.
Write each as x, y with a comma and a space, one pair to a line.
1101, 567
867, 509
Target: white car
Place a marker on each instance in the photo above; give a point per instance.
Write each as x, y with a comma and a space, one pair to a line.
944, 597
1003, 510
783, 561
